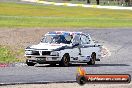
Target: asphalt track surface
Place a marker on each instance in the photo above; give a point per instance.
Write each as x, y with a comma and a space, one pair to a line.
118, 41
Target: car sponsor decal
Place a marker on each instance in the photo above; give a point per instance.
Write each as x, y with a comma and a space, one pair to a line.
88, 57
62, 48
68, 47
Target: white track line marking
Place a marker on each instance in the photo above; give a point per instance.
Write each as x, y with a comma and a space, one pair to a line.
80, 5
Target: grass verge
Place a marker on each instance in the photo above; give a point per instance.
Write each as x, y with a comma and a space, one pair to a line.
37, 15
7, 56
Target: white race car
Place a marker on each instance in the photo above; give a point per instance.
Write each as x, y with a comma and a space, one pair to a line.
62, 47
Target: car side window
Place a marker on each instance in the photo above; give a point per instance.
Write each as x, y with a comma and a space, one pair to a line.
76, 39
84, 39
88, 40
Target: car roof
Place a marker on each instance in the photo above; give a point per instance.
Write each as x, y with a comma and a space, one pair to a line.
64, 33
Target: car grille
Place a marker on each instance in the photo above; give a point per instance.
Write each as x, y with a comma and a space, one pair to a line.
35, 52
43, 53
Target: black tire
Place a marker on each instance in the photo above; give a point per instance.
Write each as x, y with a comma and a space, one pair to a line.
65, 60
93, 59
30, 63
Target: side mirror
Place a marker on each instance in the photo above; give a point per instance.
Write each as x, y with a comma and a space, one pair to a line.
74, 45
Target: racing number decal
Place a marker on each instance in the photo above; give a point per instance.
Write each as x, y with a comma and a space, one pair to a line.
88, 57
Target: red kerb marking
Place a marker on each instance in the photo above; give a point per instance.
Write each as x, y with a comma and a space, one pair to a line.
4, 65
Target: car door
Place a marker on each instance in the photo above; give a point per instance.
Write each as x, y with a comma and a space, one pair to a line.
76, 49
85, 48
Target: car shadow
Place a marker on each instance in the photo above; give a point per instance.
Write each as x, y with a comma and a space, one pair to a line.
85, 65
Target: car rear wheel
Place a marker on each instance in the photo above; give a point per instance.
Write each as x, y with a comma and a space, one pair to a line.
65, 60
92, 60
30, 63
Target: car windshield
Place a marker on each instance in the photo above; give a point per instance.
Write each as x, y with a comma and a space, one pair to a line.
57, 39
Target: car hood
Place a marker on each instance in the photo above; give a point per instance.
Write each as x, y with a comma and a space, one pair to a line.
47, 46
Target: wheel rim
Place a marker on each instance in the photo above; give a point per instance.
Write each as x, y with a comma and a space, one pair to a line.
93, 59
65, 60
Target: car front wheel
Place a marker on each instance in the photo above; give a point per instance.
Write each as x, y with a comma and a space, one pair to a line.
30, 63
65, 60
92, 60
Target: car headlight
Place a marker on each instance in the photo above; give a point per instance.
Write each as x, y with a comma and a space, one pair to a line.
28, 52
54, 53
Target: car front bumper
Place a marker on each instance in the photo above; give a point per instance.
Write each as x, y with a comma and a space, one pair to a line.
42, 59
